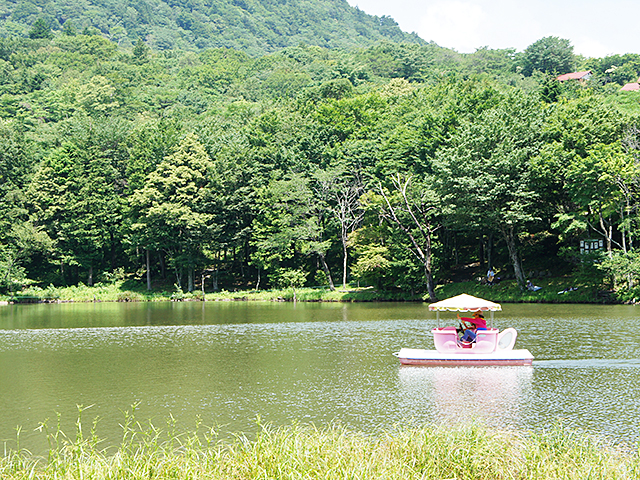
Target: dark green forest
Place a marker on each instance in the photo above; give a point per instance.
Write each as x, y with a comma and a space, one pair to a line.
396, 165
253, 26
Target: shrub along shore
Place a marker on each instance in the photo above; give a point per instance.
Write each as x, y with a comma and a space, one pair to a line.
462, 452
552, 290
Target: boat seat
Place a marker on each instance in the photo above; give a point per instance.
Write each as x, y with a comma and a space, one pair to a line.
507, 339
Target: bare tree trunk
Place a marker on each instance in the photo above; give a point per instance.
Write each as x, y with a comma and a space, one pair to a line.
325, 267
178, 279
148, 271
510, 239
607, 234
163, 270
190, 274
258, 281
90, 279
422, 251
345, 198
344, 265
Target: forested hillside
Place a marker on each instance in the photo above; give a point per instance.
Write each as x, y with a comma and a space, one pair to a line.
391, 165
253, 26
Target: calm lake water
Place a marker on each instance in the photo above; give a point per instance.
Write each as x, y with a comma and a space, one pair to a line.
230, 363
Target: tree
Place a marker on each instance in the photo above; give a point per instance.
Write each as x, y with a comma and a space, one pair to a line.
485, 173
69, 29
341, 193
76, 194
140, 51
604, 186
291, 278
41, 29
23, 240
551, 55
566, 179
289, 223
550, 89
172, 209
413, 208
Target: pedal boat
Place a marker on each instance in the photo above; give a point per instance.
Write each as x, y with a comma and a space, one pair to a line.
491, 347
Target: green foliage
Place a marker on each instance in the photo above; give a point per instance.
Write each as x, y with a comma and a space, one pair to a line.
69, 29
258, 27
172, 209
374, 262
616, 68
40, 30
140, 51
239, 168
485, 172
290, 278
550, 91
21, 242
622, 268
551, 55
76, 194
289, 226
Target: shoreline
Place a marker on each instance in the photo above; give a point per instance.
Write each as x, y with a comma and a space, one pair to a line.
553, 291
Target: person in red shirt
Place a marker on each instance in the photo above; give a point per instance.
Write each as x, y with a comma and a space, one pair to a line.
471, 326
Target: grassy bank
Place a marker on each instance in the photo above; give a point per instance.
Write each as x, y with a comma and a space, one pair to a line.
304, 452
129, 291
507, 291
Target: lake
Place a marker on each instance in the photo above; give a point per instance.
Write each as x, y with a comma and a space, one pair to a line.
227, 364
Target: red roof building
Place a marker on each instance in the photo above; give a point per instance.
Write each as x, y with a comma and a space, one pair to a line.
630, 87
575, 76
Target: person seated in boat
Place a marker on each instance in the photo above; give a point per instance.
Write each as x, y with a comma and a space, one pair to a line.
471, 326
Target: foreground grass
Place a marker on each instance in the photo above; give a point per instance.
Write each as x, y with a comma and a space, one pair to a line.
305, 452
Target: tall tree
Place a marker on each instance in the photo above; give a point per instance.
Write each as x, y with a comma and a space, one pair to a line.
485, 173
40, 29
76, 194
604, 188
172, 209
289, 225
414, 209
341, 193
548, 55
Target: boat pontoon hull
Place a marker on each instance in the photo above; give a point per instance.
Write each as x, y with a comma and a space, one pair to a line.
414, 356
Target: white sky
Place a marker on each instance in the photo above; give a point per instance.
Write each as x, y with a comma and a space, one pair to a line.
596, 28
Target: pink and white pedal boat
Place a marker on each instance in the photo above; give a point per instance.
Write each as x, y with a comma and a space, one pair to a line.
491, 346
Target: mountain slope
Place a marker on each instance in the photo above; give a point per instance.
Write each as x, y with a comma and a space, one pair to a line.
255, 26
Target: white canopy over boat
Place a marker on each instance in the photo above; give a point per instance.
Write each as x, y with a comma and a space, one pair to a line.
464, 303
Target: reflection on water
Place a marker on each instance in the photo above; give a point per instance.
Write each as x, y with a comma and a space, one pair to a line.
491, 394
228, 363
